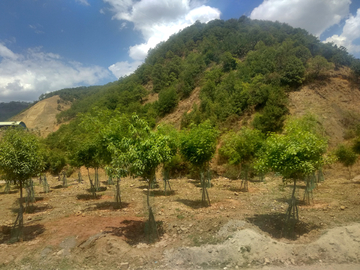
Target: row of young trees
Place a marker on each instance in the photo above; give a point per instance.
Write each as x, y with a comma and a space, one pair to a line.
129, 147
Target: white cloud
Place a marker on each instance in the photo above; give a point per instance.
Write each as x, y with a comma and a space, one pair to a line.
83, 2
125, 68
6, 53
157, 20
351, 32
313, 15
26, 76
37, 28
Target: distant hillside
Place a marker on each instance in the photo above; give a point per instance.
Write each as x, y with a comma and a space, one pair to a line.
235, 72
8, 110
41, 117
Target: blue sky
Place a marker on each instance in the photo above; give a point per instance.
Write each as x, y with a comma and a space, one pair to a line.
46, 45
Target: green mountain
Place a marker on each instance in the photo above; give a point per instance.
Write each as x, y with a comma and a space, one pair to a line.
8, 110
241, 66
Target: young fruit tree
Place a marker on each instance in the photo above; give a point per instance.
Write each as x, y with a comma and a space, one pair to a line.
240, 149
141, 153
346, 156
295, 154
198, 145
173, 142
20, 159
115, 136
91, 150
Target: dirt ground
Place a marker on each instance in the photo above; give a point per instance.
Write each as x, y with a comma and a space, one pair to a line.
71, 230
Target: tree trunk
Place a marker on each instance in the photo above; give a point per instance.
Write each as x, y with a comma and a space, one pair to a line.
152, 229
92, 187
97, 183
205, 195
118, 196
292, 213
18, 227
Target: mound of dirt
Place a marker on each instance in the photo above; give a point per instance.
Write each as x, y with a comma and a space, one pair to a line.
42, 116
249, 248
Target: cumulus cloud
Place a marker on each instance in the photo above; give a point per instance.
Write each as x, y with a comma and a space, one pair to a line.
26, 76
350, 33
314, 16
157, 20
124, 68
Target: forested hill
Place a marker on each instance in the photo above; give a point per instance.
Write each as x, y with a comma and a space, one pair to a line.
241, 67
8, 110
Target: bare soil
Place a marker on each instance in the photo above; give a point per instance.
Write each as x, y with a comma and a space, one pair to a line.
68, 229
41, 117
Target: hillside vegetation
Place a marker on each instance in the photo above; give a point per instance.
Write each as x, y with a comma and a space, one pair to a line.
10, 109
233, 73
245, 70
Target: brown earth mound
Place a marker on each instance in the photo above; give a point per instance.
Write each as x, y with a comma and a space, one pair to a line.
42, 116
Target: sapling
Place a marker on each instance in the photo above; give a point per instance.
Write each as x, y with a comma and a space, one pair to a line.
97, 182
92, 187
20, 159
346, 156
64, 179
240, 149
198, 146
310, 181
45, 184
7, 186
30, 198
320, 176
166, 180
117, 193
79, 177
296, 153
110, 180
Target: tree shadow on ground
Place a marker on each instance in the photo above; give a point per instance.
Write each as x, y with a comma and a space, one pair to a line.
134, 231
32, 209
159, 192
283, 200
86, 197
37, 199
275, 225
155, 185
43, 192
30, 233
100, 189
197, 183
194, 204
10, 192
57, 187
237, 189
352, 182
108, 206
107, 184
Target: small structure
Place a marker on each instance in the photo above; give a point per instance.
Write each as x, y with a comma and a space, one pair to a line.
13, 124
